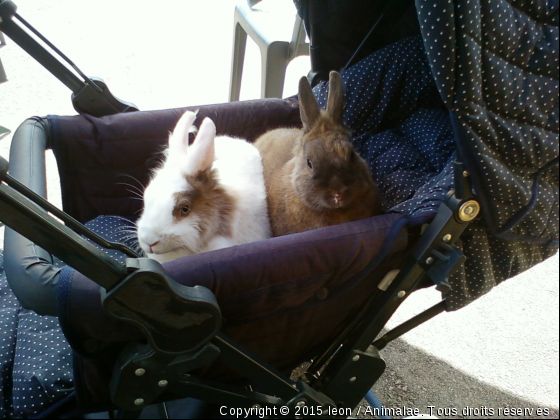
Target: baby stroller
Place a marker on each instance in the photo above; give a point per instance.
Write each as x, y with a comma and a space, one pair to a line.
333, 288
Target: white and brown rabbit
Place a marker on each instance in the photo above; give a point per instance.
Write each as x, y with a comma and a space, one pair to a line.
314, 177
205, 196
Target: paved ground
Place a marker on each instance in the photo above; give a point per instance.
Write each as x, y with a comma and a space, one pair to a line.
499, 352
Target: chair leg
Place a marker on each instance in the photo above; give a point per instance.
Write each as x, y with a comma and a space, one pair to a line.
238, 56
274, 64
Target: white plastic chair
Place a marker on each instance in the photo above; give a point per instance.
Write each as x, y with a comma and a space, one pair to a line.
281, 38
3, 77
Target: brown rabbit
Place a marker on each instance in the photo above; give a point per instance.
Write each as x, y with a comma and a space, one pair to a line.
313, 176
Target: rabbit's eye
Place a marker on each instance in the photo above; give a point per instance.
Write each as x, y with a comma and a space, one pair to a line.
185, 210
309, 164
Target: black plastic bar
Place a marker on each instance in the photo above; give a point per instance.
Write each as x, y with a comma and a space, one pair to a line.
319, 361
56, 50
381, 305
408, 279
31, 221
68, 220
252, 368
408, 325
224, 395
36, 50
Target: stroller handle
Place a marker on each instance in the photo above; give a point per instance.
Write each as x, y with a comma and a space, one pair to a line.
90, 95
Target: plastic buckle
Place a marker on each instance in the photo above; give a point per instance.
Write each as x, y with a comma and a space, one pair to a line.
444, 264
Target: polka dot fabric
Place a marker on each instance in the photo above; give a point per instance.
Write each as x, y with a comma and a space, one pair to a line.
35, 358
400, 125
9, 308
398, 113
42, 371
496, 65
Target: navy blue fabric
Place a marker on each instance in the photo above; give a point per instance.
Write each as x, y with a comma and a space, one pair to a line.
404, 130
35, 356
400, 126
9, 309
114, 229
496, 67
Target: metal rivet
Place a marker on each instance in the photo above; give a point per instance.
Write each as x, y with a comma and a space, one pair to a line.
469, 210
429, 260
356, 358
465, 173
256, 406
162, 383
401, 294
301, 403
352, 379
447, 238
139, 372
322, 293
139, 401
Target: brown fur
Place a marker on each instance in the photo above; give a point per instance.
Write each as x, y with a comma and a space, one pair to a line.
300, 198
210, 201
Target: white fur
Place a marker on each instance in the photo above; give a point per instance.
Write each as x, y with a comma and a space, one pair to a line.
240, 173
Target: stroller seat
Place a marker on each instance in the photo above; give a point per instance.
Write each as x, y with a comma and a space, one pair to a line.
326, 292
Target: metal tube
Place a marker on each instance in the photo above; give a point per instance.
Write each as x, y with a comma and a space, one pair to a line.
409, 325
31, 221
39, 53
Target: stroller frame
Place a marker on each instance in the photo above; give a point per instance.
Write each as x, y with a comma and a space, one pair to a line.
89, 95
335, 379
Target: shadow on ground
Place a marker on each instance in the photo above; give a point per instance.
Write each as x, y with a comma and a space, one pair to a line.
415, 379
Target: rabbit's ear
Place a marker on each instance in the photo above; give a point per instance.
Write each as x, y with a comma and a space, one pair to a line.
308, 108
179, 139
201, 153
335, 100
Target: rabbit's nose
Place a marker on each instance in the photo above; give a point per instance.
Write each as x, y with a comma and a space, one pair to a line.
337, 200
151, 246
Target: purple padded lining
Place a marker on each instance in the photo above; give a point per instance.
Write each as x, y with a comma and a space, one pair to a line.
101, 160
282, 298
